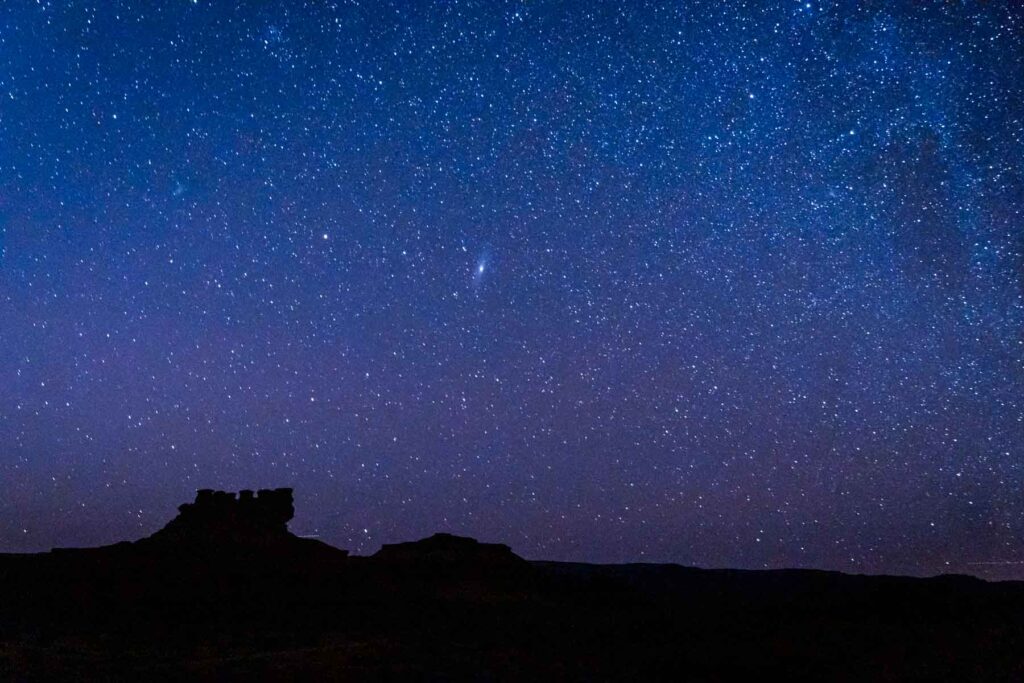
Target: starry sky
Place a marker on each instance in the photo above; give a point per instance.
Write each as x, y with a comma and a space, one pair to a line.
723, 284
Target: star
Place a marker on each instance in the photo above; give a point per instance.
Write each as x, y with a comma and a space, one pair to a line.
599, 283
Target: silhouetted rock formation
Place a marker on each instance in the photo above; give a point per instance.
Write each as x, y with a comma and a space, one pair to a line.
448, 549
225, 523
222, 517
226, 592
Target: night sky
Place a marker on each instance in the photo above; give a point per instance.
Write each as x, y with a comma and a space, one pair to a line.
723, 284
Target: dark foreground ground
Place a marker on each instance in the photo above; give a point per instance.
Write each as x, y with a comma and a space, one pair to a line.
448, 609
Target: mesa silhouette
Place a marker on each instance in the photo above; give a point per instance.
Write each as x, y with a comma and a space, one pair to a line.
222, 517
226, 592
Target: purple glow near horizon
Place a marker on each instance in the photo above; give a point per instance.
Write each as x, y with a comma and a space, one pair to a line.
680, 282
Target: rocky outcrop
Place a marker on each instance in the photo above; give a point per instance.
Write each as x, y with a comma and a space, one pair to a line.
225, 517
448, 549
226, 523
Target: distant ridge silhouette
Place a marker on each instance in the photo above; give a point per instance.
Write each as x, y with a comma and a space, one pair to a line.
443, 548
226, 592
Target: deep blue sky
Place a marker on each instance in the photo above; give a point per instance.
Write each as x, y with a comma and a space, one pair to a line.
725, 284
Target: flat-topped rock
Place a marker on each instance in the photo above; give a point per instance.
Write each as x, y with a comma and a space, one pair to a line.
445, 548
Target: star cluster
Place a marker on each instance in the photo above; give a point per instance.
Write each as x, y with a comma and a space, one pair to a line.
724, 284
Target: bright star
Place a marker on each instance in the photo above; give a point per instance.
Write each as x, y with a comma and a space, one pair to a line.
480, 269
